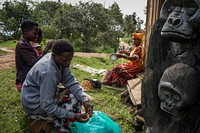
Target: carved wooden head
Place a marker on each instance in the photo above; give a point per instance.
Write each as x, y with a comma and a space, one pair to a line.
182, 20
179, 88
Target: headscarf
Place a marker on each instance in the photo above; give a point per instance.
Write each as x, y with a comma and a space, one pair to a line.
139, 36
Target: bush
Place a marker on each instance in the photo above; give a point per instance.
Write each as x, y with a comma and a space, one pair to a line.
50, 32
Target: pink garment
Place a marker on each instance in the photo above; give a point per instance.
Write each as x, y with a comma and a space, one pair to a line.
19, 86
37, 53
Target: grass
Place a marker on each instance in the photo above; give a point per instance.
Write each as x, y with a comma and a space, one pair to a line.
2, 52
13, 43
106, 100
11, 111
9, 44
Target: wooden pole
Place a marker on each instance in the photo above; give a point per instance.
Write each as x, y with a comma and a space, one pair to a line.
153, 13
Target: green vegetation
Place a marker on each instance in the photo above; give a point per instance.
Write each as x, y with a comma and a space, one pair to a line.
8, 44
11, 111
88, 25
106, 100
2, 52
12, 43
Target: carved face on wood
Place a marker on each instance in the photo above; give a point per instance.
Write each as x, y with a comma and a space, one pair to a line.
171, 100
182, 20
178, 88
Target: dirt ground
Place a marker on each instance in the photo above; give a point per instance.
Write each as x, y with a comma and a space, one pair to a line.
8, 60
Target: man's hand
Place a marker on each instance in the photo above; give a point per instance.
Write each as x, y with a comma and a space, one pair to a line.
81, 117
88, 108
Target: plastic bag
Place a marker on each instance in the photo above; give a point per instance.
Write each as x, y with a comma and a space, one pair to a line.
98, 123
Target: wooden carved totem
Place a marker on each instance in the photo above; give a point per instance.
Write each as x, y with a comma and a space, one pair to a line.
171, 84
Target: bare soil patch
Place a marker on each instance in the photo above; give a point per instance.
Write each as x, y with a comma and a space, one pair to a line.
8, 60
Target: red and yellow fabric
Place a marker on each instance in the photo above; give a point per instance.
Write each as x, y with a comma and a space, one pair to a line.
123, 72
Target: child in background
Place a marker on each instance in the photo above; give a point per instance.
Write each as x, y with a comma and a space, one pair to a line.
36, 45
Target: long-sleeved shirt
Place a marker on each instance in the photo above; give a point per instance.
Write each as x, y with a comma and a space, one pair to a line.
25, 58
40, 86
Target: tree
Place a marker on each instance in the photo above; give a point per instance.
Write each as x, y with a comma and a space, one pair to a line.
41, 17
82, 22
44, 12
65, 21
139, 23
50, 32
89, 24
94, 21
130, 24
116, 25
50, 7
12, 15
116, 17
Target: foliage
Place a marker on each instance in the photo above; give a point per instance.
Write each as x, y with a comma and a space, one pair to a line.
139, 23
106, 100
12, 14
67, 20
89, 24
41, 16
116, 17
130, 23
44, 13
49, 31
50, 7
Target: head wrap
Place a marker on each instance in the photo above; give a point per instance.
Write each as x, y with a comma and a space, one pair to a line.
137, 36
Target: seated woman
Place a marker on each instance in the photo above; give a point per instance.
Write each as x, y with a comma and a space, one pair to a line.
123, 72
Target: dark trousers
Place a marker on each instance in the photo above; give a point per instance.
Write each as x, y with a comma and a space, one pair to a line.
39, 126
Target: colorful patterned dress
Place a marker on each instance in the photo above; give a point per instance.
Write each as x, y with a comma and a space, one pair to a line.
123, 72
